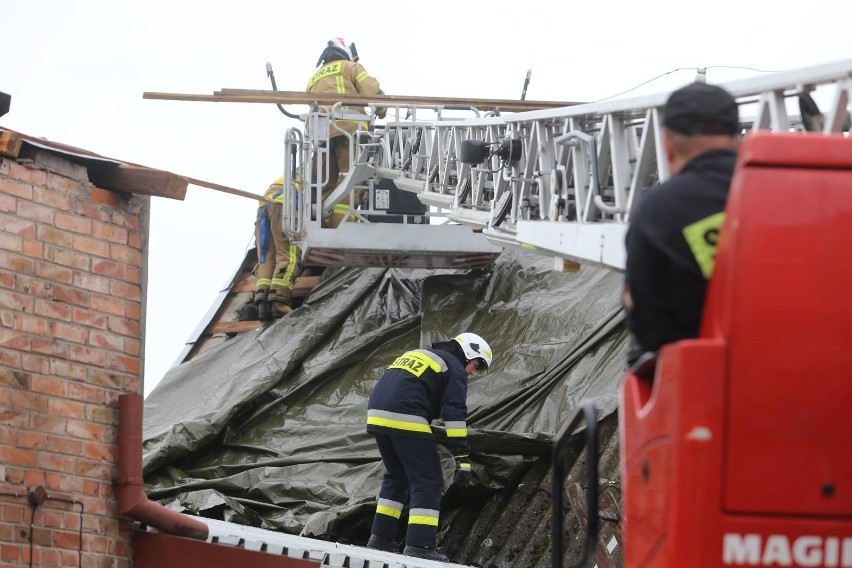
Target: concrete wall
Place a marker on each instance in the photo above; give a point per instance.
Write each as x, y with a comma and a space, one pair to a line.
72, 291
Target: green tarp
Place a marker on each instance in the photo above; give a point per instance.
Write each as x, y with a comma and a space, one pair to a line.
268, 428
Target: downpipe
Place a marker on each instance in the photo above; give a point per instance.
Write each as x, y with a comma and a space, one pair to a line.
129, 490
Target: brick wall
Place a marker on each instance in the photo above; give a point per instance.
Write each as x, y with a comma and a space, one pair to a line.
72, 276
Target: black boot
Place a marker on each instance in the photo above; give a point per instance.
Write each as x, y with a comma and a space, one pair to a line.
425, 552
264, 310
381, 543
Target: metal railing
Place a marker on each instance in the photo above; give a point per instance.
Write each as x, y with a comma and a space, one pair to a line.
588, 413
561, 181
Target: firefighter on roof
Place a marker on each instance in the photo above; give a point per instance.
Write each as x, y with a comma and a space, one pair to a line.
340, 73
279, 260
417, 388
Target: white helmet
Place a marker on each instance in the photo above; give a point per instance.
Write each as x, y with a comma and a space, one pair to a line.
474, 347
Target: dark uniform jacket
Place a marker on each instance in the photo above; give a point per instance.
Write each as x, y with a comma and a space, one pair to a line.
419, 387
671, 249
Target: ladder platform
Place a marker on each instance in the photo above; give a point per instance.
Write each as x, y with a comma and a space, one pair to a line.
599, 243
398, 245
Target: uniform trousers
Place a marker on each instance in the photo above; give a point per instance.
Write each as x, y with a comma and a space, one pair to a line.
281, 263
412, 468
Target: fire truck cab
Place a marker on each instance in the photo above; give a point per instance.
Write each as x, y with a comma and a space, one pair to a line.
737, 451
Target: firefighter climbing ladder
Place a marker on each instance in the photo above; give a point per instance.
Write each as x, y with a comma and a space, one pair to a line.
561, 182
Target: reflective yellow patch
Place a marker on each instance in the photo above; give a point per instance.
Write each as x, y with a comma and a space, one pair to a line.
398, 424
333, 68
384, 510
415, 363
456, 432
419, 520
702, 238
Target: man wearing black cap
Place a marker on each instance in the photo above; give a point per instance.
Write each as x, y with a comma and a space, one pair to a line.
671, 240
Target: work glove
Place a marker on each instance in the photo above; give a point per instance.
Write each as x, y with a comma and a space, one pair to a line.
461, 476
381, 112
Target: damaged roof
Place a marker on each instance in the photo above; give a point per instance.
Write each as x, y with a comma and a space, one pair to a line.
103, 172
267, 428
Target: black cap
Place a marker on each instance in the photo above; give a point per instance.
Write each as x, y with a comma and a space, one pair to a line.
699, 109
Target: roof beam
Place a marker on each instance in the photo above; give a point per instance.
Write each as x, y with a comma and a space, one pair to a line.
138, 179
303, 98
10, 143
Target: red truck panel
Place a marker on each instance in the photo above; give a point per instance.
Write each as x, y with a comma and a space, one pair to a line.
740, 450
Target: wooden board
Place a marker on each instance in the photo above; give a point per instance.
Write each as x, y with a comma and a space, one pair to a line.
235, 326
10, 143
303, 98
138, 179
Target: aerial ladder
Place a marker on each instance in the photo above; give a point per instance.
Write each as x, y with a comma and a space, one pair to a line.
560, 182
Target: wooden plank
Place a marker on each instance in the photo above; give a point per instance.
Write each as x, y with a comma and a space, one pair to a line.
139, 179
235, 326
303, 98
391, 100
226, 189
10, 143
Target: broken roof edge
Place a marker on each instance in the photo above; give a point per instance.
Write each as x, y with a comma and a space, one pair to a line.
104, 172
125, 176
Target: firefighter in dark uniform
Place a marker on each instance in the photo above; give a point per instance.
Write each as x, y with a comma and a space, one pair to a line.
417, 388
341, 74
671, 240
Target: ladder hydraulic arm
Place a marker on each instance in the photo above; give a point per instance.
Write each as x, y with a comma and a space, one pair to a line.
563, 182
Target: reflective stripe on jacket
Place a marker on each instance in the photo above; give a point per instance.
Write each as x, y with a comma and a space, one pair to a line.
275, 192
417, 388
344, 78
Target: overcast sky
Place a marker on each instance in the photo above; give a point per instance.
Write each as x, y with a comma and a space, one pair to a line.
77, 70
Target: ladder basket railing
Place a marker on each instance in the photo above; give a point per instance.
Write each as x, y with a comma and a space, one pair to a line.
294, 177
